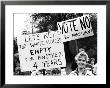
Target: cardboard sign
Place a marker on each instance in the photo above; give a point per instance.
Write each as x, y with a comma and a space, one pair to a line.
46, 50
75, 28
41, 51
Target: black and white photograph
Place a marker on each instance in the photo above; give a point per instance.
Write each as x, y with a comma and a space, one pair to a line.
55, 44
64, 44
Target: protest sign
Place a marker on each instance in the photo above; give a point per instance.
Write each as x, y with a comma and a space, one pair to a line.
46, 50
41, 51
75, 28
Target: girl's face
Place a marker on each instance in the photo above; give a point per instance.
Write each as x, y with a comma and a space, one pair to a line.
81, 62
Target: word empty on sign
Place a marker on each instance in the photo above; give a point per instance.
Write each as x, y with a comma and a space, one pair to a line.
40, 50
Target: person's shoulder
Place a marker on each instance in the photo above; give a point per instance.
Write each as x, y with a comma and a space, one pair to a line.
73, 73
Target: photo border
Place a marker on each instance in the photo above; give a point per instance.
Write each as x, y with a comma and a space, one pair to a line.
2, 38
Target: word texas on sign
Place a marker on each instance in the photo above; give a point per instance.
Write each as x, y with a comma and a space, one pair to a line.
75, 28
41, 51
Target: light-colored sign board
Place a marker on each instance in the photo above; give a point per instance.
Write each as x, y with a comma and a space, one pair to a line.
41, 51
75, 28
46, 50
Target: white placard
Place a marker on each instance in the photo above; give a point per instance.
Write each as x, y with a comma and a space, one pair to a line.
41, 51
75, 28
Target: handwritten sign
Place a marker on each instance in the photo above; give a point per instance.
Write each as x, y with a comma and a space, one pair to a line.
41, 50
46, 50
75, 28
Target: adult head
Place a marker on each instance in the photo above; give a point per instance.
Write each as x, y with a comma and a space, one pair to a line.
81, 59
